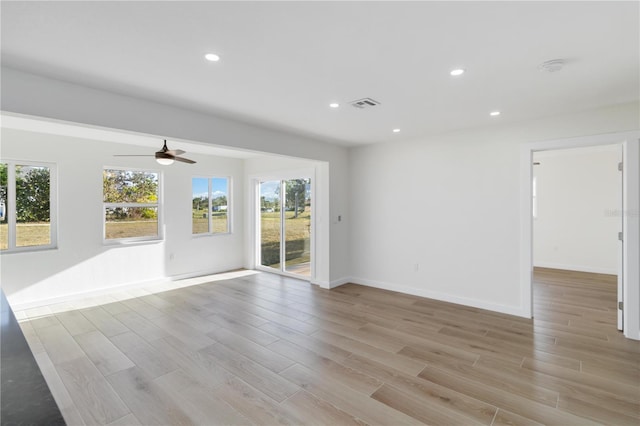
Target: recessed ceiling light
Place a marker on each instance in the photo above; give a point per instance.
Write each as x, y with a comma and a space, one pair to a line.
212, 57
396, 130
334, 105
494, 113
457, 72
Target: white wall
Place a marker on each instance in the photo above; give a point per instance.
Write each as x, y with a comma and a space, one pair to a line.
82, 263
30, 94
578, 192
451, 204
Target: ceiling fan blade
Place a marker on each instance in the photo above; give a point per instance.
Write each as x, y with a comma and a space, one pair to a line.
132, 155
175, 152
184, 160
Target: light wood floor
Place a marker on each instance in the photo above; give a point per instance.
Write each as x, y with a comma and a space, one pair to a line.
262, 349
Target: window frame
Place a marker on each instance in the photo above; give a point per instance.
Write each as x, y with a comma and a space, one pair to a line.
210, 232
158, 206
11, 207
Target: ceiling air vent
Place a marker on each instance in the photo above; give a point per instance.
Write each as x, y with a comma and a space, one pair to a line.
364, 103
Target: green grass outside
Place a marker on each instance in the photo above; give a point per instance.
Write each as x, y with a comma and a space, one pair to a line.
200, 223
131, 229
27, 235
297, 236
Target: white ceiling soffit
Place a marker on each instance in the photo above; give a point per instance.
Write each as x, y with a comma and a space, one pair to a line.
283, 63
102, 134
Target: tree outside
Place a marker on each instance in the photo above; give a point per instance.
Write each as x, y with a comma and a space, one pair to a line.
32, 205
122, 190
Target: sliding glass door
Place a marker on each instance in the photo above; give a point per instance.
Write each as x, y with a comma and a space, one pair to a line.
285, 225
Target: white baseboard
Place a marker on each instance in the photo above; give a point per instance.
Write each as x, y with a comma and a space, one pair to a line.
331, 284
579, 268
510, 310
339, 282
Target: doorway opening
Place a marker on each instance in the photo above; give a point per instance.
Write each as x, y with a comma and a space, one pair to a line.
577, 217
285, 226
630, 276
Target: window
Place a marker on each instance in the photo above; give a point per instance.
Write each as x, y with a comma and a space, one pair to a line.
131, 205
210, 205
27, 206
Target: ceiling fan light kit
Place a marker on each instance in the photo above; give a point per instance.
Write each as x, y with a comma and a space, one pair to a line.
164, 159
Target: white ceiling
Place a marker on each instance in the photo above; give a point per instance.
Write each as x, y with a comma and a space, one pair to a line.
284, 62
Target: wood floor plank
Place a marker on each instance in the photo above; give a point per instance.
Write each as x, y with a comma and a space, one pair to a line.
597, 382
624, 403
326, 350
218, 307
141, 326
346, 376
143, 355
255, 299
142, 308
502, 399
255, 405
430, 394
619, 372
196, 365
416, 408
317, 411
107, 358
191, 337
358, 405
146, 400
364, 336
286, 319
59, 344
251, 372
438, 354
499, 378
104, 321
199, 402
198, 320
398, 361
128, 420
264, 356
115, 308
596, 413
506, 418
75, 322
245, 330
95, 399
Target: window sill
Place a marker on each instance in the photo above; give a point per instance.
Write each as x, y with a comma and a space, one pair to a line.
31, 249
208, 234
132, 241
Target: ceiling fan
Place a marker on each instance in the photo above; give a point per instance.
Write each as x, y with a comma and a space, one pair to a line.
165, 156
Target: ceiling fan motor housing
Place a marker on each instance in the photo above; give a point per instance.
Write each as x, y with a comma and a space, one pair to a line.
162, 154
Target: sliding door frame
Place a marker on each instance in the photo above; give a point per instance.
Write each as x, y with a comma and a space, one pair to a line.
283, 176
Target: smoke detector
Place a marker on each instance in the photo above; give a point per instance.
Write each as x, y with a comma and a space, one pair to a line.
364, 103
552, 65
